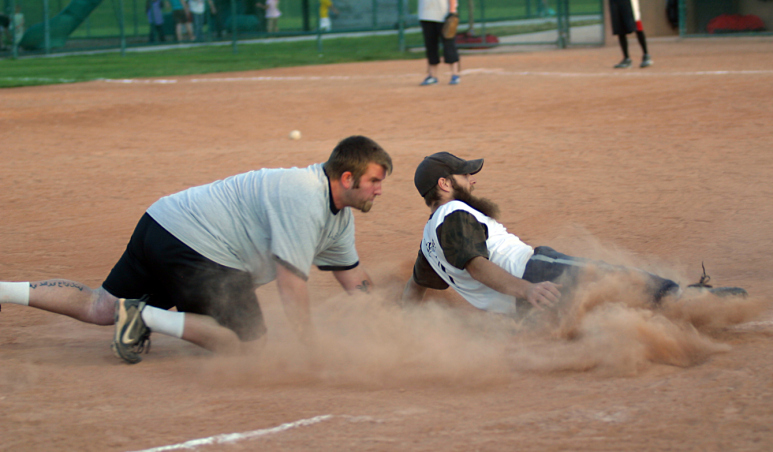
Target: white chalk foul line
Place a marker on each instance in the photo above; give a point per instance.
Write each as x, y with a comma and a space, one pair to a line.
611, 73
477, 71
234, 437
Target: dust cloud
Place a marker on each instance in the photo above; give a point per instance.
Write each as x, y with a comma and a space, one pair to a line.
609, 327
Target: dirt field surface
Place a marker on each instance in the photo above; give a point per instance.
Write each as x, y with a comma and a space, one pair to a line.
660, 168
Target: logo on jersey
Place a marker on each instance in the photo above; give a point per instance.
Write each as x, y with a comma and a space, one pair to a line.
430, 247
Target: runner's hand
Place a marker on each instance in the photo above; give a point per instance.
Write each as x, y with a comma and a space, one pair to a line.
543, 294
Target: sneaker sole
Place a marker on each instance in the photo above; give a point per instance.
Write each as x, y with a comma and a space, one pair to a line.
126, 355
119, 349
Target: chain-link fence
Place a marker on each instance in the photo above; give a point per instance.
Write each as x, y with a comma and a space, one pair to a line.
54, 26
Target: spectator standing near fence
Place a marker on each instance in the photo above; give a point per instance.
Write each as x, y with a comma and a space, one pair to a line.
18, 25
432, 14
626, 18
272, 14
325, 7
182, 19
198, 9
155, 12
216, 20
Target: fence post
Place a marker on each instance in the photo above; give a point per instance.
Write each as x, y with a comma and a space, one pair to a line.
483, 21
136, 19
567, 23
122, 27
401, 25
319, 29
305, 13
14, 44
46, 28
561, 23
233, 25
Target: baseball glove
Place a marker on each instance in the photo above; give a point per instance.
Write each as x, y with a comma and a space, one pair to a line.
450, 25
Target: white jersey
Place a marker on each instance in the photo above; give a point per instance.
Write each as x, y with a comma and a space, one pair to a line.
505, 250
196, 6
433, 10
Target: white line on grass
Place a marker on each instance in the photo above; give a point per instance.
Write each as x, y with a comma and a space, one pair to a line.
38, 79
234, 437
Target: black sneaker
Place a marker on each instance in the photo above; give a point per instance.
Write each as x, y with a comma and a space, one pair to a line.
646, 61
625, 64
132, 336
703, 284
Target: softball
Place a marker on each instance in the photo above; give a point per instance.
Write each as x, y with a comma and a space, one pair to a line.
295, 135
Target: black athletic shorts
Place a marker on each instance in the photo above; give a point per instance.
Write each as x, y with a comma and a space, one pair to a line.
158, 264
622, 17
548, 264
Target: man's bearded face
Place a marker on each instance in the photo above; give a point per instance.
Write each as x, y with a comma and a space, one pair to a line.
482, 205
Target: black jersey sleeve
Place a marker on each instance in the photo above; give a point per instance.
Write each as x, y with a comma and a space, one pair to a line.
462, 238
425, 276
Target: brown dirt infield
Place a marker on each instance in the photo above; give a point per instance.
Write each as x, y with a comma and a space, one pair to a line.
661, 168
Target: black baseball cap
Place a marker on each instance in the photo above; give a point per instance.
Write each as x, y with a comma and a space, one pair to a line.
442, 164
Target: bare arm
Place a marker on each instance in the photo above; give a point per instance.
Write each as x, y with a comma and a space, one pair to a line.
539, 294
412, 293
294, 294
354, 280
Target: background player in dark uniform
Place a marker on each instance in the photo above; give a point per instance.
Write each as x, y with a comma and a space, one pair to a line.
626, 18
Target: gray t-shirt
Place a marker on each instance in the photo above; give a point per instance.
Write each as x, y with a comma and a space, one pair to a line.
251, 220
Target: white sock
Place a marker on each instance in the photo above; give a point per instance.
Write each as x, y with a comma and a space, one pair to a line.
15, 292
162, 321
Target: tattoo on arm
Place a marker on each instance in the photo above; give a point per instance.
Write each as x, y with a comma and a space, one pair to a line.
55, 283
364, 286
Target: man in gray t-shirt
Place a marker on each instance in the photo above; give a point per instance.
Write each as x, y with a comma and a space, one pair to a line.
206, 249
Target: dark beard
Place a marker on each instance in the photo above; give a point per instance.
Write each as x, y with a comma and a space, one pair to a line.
483, 205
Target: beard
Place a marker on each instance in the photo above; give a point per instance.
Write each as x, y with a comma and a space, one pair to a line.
483, 205
365, 206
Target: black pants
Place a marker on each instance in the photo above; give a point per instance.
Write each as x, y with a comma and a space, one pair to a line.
156, 30
158, 264
548, 264
433, 35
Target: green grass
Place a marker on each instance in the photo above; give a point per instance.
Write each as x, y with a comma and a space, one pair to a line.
199, 60
212, 59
